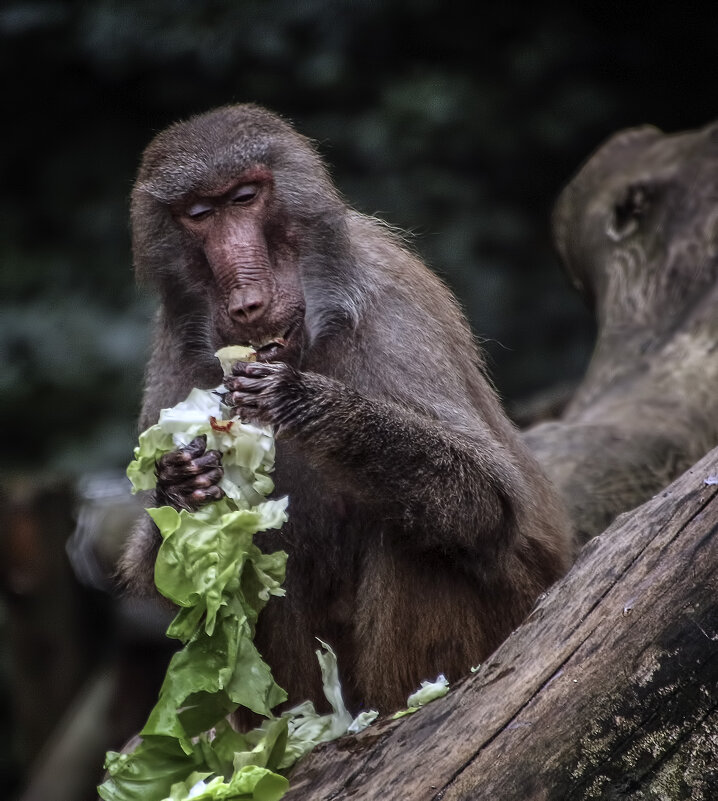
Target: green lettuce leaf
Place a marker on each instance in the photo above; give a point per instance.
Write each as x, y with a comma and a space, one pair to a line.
209, 566
247, 450
429, 691
307, 728
251, 783
148, 772
208, 556
153, 444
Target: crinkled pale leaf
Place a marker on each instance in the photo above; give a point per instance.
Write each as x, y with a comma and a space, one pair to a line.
232, 354
152, 444
247, 446
307, 728
247, 450
191, 416
362, 721
332, 687
239, 489
429, 691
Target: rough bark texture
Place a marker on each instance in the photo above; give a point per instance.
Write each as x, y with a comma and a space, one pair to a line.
609, 690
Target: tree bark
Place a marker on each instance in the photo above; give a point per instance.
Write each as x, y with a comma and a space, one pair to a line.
609, 690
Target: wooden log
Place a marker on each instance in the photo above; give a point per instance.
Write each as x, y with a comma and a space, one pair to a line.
609, 690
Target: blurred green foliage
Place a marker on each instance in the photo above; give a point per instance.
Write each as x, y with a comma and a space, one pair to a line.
459, 128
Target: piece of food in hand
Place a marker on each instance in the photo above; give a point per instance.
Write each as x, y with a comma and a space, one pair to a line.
232, 354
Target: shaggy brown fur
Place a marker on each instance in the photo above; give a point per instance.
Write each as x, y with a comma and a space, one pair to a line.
421, 529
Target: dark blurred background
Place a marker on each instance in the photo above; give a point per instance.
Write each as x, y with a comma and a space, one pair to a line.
459, 123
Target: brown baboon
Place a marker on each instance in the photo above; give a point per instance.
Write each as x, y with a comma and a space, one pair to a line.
637, 229
421, 529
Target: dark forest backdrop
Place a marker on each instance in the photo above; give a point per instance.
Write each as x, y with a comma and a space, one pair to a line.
461, 129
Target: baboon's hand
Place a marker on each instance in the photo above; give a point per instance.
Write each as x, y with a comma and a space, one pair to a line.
189, 477
268, 393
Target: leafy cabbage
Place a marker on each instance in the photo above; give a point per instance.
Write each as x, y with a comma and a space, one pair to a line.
209, 566
429, 691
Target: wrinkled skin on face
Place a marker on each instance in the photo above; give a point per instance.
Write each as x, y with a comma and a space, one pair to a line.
250, 255
245, 251
236, 222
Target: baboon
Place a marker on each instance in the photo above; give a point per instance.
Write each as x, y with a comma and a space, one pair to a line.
637, 229
421, 530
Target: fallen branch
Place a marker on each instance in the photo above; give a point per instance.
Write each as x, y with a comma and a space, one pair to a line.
609, 690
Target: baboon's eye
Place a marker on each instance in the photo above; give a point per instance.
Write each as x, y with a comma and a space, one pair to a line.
245, 193
199, 209
628, 211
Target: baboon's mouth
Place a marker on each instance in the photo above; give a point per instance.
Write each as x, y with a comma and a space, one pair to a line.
271, 348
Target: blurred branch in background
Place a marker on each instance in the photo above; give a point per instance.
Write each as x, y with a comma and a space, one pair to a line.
84, 664
48, 620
